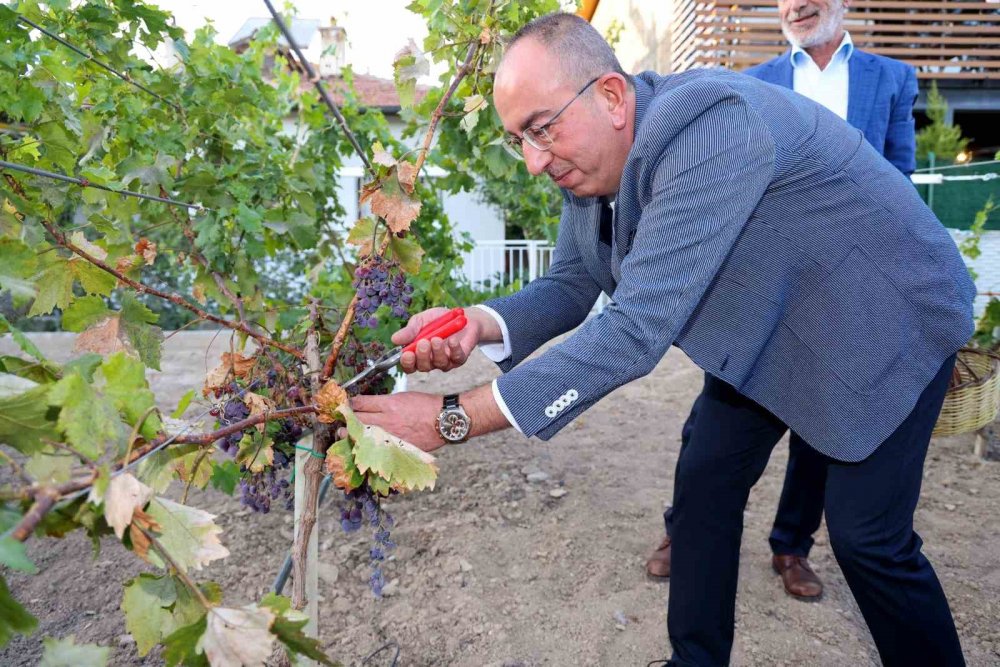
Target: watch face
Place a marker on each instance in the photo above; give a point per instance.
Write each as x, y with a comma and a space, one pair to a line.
453, 425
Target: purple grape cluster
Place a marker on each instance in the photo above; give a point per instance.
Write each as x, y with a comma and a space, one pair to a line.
234, 410
354, 358
379, 281
361, 502
259, 490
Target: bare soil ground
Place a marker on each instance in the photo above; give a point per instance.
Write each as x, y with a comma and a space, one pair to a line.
492, 569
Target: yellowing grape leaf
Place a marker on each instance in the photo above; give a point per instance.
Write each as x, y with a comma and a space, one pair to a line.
237, 637
340, 464
80, 241
138, 530
258, 405
405, 467
233, 366
391, 202
146, 603
364, 236
328, 399
103, 338
125, 494
406, 172
381, 156
188, 534
147, 249
254, 454
187, 472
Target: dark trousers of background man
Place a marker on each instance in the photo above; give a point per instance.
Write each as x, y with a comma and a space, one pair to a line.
869, 516
800, 508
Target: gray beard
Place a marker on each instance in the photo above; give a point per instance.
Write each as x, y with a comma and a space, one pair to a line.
822, 33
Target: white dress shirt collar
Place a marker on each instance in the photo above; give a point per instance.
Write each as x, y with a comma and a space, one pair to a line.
842, 54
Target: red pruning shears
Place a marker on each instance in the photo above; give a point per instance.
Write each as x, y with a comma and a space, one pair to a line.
451, 322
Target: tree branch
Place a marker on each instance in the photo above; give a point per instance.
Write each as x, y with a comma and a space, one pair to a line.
464, 69
175, 298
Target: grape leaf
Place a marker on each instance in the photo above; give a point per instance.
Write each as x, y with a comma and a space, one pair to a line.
408, 65
84, 312
407, 252
182, 647
50, 467
183, 404
184, 465
55, 289
66, 652
473, 105
258, 405
289, 632
225, 476
93, 278
126, 385
391, 202
14, 555
328, 399
22, 341
406, 467
340, 464
125, 494
146, 604
25, 420
237, 637
102, 338
363, 235
88, 419
187, 533
13, 617
254, 454
233, 366
18, 265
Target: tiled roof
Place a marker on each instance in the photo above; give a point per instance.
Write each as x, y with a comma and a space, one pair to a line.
371, 90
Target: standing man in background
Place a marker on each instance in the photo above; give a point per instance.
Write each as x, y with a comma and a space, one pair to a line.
876, 95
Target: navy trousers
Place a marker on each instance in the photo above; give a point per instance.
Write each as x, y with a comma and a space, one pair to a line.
869, 514
800, 509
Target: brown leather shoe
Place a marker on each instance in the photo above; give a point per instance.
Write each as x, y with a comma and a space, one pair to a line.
798, 577
658, 564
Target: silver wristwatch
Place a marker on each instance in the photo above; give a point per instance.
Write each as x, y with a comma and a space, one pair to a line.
453, 423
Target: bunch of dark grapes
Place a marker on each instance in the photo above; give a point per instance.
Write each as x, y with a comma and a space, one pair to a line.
380, 281
354, 358
232, 411
361, 502
258, 490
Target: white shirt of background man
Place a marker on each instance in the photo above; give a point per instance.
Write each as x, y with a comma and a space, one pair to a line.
827, 86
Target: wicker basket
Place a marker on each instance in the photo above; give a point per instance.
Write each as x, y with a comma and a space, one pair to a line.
973, 397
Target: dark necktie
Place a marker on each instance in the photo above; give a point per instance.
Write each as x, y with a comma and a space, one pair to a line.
607, 218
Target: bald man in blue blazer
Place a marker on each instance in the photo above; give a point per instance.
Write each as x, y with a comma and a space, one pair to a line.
875, 95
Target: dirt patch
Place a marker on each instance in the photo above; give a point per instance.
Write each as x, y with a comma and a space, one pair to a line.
492, 569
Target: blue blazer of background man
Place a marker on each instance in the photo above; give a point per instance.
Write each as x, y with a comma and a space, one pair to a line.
881, 93
875, 95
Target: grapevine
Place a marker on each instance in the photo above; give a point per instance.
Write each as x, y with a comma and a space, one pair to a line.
134, 195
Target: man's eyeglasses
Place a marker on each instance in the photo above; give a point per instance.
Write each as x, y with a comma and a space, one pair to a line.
537, 136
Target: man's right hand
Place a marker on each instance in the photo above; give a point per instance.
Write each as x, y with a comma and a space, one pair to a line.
451, 352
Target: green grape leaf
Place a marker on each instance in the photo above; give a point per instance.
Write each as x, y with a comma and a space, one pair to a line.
93, 279
66, 652
22, 341
84, 312
26, 420
225, 476
406, 467
40, 373
183, 404
18, 265
182, 647
146, 603
188, 534
146, 340
88, 418
407, 252
289, 632
52, 467
126, 385
13, 617
55, 289
235, 637
186, 471
14, 555
340, 464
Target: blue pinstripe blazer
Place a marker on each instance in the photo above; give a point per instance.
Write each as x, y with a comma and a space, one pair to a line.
880, 96
762, 235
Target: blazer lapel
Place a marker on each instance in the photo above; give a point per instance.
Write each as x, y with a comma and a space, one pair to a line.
861, 84
781, 71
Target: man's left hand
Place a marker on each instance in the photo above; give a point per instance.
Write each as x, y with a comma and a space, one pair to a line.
409, 415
